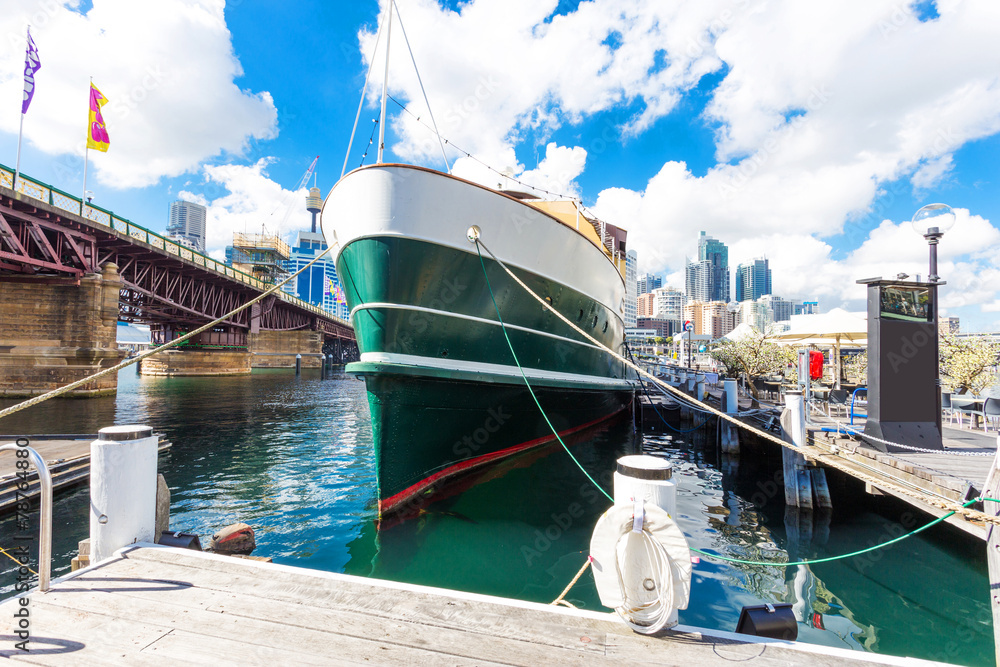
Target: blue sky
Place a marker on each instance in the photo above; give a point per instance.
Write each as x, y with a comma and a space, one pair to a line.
806, 132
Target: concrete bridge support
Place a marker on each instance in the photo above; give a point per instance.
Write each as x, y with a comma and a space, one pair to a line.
221, 351
277, 349
54, 331
179, 362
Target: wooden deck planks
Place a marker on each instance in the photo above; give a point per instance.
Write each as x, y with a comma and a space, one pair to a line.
157, 605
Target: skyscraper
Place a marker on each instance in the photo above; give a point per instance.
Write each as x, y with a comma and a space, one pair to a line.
187, 223
707, 279
631, 264
716, 254
648, 282
753, 280
319, 284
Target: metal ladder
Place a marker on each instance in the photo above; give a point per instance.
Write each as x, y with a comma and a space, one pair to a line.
44, 512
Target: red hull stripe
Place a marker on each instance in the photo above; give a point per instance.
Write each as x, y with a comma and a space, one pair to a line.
392, 502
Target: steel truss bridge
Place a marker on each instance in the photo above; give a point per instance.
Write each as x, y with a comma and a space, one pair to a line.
48, 235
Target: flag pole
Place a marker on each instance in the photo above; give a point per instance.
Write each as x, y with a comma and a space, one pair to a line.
20, 130
17, 168
86, 155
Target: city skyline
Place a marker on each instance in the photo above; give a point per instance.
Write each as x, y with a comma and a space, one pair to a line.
813, 143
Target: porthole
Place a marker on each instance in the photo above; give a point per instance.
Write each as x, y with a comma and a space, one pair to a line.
579, 317
594, 323
605, 329
548, 300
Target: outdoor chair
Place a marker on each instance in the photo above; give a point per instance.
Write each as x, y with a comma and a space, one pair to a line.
991, 413
837, 400
968, 405
946, 408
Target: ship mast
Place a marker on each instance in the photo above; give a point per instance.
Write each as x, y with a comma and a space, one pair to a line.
385, 84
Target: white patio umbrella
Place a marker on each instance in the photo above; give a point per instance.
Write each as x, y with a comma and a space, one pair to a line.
834, 327
742, 330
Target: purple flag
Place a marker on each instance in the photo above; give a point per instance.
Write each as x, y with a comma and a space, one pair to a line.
31, 65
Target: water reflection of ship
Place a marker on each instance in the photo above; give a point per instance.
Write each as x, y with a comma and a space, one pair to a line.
481, 532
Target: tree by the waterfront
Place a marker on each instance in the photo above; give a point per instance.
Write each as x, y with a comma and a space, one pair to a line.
755, 354
969, 364
856, 366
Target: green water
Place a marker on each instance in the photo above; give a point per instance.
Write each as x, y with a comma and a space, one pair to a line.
292, 457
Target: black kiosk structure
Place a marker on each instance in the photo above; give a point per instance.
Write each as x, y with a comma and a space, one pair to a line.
904, 389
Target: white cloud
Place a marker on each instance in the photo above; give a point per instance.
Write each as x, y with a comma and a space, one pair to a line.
167, 69
820, 107
493, 70
244, 199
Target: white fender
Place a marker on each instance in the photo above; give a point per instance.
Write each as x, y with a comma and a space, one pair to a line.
630, 567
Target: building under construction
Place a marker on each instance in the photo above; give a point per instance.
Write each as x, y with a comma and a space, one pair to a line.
264, 256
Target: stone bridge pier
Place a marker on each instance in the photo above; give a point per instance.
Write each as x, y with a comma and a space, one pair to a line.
54, 331
219, 351
277, 349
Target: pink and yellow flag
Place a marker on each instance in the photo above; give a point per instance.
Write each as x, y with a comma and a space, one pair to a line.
97, 133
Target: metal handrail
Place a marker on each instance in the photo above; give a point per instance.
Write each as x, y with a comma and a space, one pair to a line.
44, 513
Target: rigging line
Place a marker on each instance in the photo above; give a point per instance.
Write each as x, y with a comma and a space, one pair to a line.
156, 350
422, 91
370, 140
473, 157
361, 102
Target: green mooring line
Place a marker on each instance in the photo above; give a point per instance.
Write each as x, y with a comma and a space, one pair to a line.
503, 327
843, 556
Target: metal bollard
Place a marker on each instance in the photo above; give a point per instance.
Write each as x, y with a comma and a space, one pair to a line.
122, 489
732, 394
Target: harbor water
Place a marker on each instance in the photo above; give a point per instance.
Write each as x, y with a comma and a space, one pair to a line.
291, 456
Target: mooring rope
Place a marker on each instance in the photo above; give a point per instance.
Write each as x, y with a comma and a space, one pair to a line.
503, 327
559, 600
148, 353
19, 563
825, 455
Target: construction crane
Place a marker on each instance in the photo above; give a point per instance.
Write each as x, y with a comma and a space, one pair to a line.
301, 184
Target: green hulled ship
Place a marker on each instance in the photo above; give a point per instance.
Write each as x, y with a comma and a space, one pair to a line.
445, 393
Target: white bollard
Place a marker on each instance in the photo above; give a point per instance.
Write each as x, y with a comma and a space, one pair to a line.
649, 478
699, 387
122, 489
646, 477
732, 397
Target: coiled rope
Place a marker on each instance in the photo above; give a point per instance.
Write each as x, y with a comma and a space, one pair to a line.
825, 455
156, 350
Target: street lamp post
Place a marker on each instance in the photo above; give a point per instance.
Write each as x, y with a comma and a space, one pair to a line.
931, 222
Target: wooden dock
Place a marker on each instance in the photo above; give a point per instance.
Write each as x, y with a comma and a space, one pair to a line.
68, 458
947, 474
153, 605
